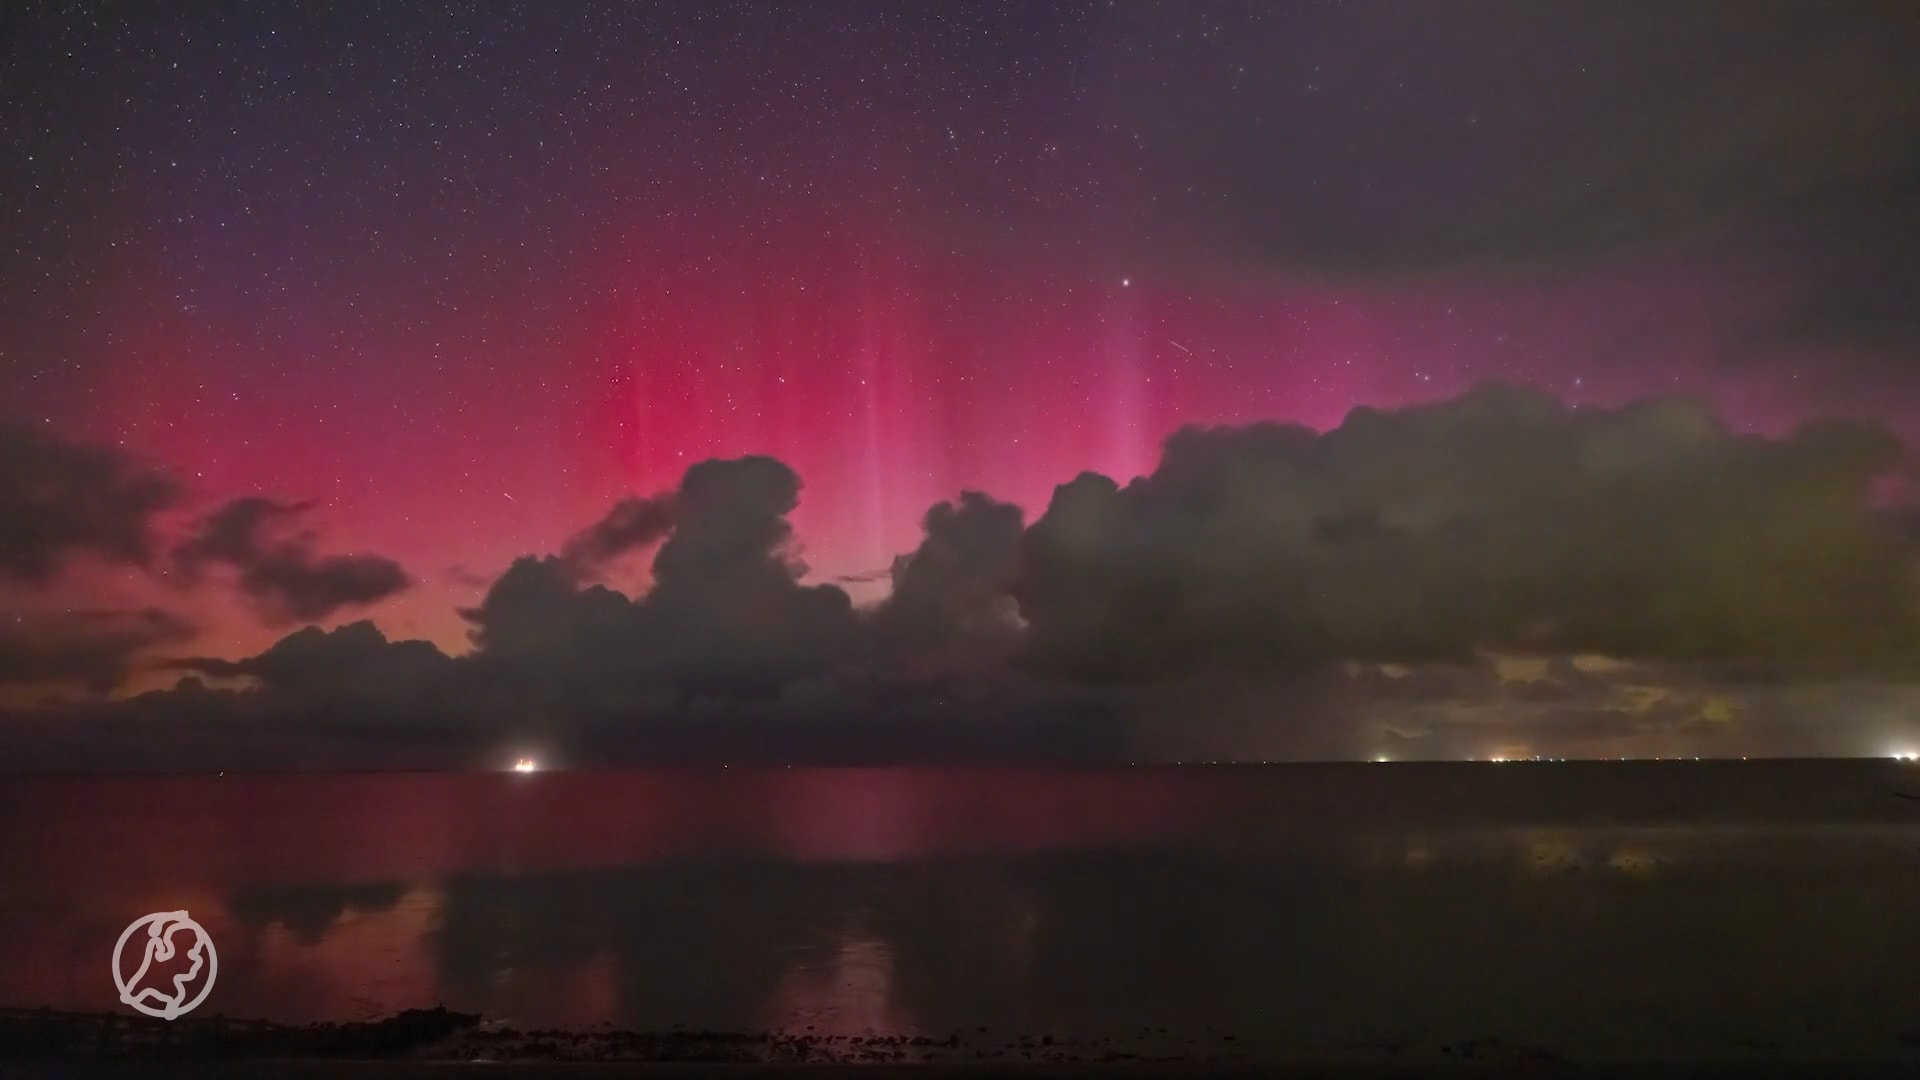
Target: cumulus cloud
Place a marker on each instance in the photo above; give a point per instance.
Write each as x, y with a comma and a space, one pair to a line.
59, 498
956, 589
726, 614
1416, 578
282, 572
1499, 521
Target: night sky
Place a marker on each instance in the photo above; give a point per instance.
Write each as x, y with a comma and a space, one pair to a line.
445, 282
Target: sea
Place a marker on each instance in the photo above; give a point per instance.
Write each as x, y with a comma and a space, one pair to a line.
1583, 911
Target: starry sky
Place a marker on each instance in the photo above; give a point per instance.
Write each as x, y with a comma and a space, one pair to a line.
461, 276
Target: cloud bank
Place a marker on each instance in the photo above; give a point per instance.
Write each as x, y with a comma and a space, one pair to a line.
1267, 591
1525, 140
60, 499
95, 649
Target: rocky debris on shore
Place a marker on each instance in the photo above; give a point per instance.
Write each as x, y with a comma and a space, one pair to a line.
441, 1035
807, 1048
438, 1035
42, 1034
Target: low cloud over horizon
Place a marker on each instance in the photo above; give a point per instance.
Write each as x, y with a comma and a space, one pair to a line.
1500, 573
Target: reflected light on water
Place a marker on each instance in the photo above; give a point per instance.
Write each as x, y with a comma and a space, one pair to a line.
852, 992
908, 902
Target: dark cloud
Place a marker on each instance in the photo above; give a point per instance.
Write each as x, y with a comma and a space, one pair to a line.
298, 586
291, 582
726, 584
95, 649
59, 498
353, 660
471, 579
236, 533
633, 524
1501, 521
956, 589
726, 615
732, 540
1266, 592
1377, 139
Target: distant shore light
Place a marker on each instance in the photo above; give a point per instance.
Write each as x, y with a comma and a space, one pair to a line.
526, 764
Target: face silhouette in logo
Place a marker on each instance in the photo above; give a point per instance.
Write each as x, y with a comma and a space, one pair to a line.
173, 964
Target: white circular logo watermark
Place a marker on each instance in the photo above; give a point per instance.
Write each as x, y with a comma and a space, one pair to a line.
191, 958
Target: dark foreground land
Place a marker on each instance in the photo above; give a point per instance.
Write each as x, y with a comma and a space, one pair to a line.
386, 1070
439, 1043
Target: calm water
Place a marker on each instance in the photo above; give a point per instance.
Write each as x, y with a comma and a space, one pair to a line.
1597, 910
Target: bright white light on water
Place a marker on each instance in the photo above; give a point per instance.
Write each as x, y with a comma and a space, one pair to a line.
1905, 755
1381, 760
526, 764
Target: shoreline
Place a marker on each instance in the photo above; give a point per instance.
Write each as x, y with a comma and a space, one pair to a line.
438, 1042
